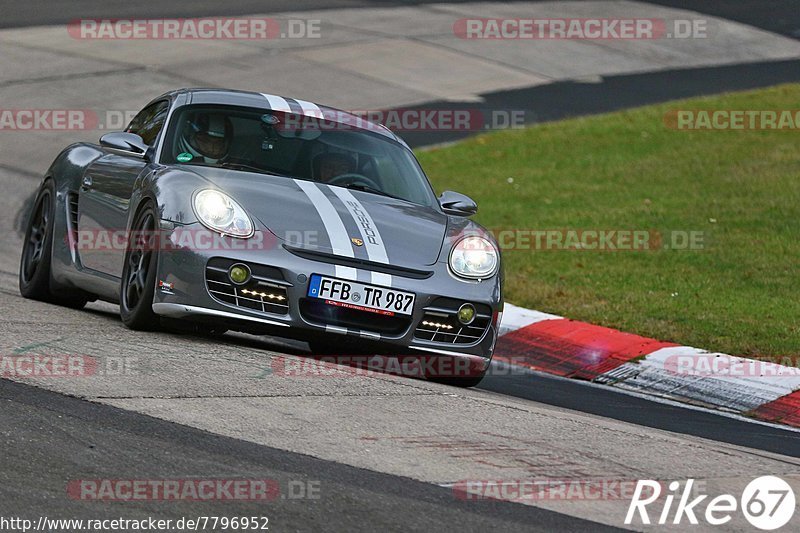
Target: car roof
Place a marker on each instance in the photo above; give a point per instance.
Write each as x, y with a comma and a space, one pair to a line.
280, 103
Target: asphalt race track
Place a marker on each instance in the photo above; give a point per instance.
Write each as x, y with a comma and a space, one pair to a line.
58, 433
779, 16
383, 451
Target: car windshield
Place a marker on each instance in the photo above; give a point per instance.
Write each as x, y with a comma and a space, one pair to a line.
286, 144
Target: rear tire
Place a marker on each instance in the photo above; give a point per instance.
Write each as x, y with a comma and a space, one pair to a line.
138, 284
35, 276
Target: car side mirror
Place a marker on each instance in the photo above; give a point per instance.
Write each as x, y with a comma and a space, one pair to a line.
127, 143
455, 203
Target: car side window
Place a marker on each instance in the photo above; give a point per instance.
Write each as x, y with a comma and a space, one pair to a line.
148, 123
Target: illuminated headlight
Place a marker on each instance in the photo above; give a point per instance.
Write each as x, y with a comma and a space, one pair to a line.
474, 257
219, 212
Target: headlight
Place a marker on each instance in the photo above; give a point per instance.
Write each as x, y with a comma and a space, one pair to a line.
219, 212
474, 257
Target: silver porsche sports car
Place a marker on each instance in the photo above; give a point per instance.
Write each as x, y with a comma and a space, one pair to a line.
253, 212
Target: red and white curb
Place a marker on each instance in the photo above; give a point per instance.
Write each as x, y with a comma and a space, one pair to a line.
568, 348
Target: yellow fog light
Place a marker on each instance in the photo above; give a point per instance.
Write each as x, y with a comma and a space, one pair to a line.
466, 314
239, 274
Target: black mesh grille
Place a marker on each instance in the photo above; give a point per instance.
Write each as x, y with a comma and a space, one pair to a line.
264, 292
440, 323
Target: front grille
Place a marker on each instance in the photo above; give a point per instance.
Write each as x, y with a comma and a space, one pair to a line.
264, 292
317, 311
440, 323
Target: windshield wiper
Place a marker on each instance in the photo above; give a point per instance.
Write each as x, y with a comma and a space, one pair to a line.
243, 166
373, 190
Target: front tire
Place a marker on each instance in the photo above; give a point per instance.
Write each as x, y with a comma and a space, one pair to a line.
138, 284
37, 253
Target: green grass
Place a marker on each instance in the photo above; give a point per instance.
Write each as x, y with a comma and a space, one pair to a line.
627, 170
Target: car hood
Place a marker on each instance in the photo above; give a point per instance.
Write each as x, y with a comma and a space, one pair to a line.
328, 219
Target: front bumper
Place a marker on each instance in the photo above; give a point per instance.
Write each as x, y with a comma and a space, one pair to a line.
183, 292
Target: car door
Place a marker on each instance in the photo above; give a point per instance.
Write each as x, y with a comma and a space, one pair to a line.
105, 194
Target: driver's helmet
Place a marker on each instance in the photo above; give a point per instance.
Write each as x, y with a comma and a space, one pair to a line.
207, 136
328, 165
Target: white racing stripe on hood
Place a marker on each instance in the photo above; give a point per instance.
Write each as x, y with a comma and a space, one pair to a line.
337, 234
277, 103
373, 242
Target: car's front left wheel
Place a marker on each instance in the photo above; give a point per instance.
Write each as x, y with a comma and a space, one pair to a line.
138, 284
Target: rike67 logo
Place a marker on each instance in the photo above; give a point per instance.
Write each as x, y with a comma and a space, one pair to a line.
768, 503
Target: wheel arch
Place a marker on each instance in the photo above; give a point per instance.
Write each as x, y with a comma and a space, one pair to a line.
66, 171
171, 189
68, 167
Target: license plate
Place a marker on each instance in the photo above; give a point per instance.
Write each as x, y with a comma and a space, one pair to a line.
361, 297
